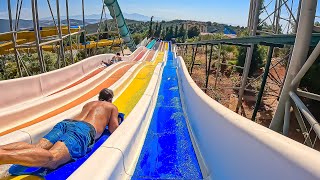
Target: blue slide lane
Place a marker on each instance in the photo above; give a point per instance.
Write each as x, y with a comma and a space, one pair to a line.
151, 44
168, 152
64, 171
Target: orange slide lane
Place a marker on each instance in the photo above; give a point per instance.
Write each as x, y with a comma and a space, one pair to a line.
150, 55
107, 83
137, 58
140, 55
81, 80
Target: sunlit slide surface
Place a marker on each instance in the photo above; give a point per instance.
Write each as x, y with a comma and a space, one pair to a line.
125, 102
168, 152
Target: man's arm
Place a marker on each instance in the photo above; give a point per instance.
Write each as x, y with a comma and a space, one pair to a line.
113, 122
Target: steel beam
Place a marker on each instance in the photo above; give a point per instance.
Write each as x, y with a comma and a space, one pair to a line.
249, 55
37, 34
14, 41
298, 58
84, 33
60, 34
307, 114
263, 83
209, 68
69, 31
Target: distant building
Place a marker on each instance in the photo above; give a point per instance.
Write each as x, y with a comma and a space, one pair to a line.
201, 26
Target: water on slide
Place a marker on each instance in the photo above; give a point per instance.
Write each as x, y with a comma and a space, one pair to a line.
168, 152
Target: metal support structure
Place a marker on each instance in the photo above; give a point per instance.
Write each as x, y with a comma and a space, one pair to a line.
299, 55
119, 36
84, 28
308, 95
263, 84
302, 125
306, 113
61, 47
209, 68
18, 13
37, 34
99, 27
193, 58
287, 115
218, 67
192, 54
206, 49
69, 31
14, 40
249, 55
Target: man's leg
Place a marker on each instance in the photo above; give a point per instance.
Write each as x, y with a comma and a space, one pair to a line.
37, 156
44, 144
17, 146
60, 154
26, 157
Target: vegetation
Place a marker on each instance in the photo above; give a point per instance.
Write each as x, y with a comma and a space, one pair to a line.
193, 32
311, 81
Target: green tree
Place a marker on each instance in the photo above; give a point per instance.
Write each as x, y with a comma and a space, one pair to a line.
82, 37
156, 30
137, 37
158, 34
311, 80
176, 32
150, 34
182, 33
193, 32
169, 34
163, 33
257, 58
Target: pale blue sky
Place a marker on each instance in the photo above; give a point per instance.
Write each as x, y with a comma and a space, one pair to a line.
227, 11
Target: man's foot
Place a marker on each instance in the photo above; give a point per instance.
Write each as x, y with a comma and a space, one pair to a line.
4, 170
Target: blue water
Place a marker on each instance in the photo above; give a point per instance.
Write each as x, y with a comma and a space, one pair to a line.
167, 152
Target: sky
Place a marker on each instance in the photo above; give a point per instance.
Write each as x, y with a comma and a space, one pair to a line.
234, 12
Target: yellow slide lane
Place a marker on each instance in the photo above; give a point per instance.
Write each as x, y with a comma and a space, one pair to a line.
130, 97
7, 48
167, 46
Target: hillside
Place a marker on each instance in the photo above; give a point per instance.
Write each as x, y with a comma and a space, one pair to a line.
141, 26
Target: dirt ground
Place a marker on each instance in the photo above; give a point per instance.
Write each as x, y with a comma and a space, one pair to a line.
228, 77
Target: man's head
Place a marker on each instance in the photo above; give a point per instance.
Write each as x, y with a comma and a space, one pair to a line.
118, 54
106, 95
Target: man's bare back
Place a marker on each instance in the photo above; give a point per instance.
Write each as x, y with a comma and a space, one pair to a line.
99, 114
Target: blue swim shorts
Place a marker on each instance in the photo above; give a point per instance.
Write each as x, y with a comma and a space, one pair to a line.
78, 136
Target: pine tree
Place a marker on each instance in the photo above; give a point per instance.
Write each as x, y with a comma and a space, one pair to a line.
166, 34
194, 31
150, 34
156, 30
163, 33
176, 32
182, 32
159, 30
170, 34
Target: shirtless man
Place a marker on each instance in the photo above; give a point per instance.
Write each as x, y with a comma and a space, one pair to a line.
69, 139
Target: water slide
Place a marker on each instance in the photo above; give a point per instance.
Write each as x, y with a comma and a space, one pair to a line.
172, 130
43, 102
115, 12
46, 32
